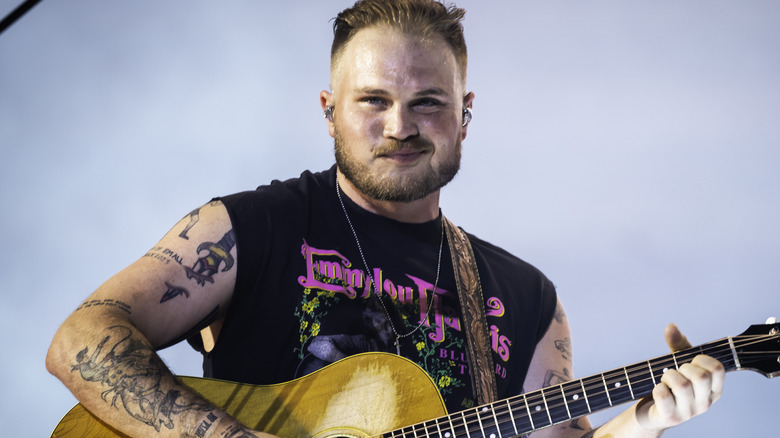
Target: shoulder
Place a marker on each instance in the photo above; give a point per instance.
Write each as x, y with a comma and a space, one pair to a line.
501, 262
280, 197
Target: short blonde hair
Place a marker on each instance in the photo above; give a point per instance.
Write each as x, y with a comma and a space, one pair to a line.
424, 18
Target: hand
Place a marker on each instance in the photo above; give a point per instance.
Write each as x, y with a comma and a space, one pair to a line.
684, 393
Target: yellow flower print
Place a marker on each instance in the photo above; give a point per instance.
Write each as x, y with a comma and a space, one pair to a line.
315, 329
420, 346
304, 324
444, 381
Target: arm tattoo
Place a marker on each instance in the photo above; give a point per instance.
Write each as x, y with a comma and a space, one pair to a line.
559, 314
208, 265
110, 303
564, 346
556, 378
194, 218
164, 255
173, 292
133, 377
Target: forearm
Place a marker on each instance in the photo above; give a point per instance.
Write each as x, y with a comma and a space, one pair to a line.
113, 371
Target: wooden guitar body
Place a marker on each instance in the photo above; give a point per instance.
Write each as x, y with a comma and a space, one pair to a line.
360, 396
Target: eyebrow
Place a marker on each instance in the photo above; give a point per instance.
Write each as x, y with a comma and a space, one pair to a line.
433, 91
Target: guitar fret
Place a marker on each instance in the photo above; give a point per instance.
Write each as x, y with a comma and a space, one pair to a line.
576, 402
606, 389
650, 367
479, 420
585, 395
734, 353
438, 429
546, 408
527, 408
539, 411
512, 416
489, 430
565, 403
498, 428
427, 428
465, 423
619, 390
675, 361
628, 381
452, 427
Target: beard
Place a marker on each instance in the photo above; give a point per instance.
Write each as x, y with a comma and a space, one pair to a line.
397, 188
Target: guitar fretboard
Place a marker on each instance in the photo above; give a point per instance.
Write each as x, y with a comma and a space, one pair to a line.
556, 404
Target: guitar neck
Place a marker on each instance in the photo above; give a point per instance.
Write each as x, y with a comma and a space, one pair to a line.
556, 404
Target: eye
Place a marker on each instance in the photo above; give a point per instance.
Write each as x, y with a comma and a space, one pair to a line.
427, 104
373, 100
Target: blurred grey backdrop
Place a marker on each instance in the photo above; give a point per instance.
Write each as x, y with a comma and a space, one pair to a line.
630, 150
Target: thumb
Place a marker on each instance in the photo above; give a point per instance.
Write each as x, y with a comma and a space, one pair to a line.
675, 339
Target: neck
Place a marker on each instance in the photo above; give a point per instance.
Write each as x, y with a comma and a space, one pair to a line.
419, 211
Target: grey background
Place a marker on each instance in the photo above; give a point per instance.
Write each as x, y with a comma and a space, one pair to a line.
627, 149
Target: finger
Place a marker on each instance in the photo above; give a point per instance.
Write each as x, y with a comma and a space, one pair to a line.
675, 338
701, 387
663, 402
682, 393
717, 373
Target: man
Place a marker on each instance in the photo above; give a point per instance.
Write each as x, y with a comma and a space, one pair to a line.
299, 274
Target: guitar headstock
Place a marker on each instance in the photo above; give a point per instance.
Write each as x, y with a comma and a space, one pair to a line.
758, 348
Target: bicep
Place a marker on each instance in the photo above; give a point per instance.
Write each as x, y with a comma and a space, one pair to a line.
182, 283
552, 364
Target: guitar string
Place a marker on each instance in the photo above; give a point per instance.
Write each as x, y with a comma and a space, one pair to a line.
474, 416
554, 401
501, 412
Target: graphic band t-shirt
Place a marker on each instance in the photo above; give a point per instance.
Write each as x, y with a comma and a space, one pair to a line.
304, 297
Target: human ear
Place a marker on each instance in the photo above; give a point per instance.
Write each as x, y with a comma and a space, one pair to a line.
468, 100
326, 102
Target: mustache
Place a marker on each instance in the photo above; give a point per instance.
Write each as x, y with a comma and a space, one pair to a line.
417, 144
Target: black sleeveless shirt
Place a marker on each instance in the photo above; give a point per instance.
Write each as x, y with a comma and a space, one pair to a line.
303, 299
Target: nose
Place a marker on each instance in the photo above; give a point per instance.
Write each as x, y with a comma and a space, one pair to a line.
400, 124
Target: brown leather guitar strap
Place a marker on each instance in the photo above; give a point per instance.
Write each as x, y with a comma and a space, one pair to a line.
473, 314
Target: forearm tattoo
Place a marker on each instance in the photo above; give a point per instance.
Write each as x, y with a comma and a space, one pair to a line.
134, 379
237, 432
206, 424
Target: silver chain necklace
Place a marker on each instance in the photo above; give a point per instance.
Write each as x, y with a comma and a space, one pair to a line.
378, 293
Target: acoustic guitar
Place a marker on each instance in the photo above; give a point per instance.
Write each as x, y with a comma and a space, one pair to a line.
381, 394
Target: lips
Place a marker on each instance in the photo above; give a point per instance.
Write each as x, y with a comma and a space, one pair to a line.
404, 151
